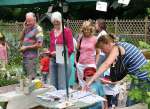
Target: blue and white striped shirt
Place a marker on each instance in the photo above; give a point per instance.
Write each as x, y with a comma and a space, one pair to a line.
134, 60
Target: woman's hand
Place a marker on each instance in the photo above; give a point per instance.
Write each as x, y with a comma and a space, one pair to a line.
105, 81
53, 54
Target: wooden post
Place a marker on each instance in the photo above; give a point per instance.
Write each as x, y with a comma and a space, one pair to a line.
146, 29
116, 25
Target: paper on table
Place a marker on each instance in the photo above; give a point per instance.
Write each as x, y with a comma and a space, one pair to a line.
58, 93
92, 99
60, 54
80, 94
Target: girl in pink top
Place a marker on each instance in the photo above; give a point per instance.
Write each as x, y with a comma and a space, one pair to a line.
3, 52
87, 50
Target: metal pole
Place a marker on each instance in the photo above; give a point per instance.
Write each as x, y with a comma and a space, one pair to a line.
64, 46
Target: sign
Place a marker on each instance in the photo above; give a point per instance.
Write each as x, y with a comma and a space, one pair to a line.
125, 2
60, 54
101, 6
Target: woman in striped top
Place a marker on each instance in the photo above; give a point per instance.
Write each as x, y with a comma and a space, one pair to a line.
133, 58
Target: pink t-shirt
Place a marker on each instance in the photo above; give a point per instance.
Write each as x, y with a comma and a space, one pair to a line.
3, 53
87, 50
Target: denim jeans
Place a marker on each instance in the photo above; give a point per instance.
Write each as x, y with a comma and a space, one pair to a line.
57, 74
102, 58
45, 77
97, 87
29, 67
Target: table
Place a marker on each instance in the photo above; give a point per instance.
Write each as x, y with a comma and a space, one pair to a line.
19, 99
92, 99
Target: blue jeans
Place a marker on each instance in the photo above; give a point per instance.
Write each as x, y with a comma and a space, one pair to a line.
45, 77
102, 58
112, 100
98, 88
57, 74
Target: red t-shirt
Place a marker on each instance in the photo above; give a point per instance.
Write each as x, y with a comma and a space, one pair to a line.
44, 62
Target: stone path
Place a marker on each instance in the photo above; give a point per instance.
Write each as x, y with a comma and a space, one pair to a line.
7, 88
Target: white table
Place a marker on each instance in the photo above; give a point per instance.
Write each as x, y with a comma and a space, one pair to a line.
19, 100
84, 101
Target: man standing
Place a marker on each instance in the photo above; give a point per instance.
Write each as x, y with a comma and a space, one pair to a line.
31, 41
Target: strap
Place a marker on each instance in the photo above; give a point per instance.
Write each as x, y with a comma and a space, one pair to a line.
119, 51
80, 42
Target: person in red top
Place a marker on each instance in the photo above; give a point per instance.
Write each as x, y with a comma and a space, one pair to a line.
44, 65
57, 68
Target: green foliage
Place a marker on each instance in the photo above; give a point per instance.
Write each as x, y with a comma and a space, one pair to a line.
46, 40
143, 45
140, 93
5, 82
128, 39
111, 28
14, 55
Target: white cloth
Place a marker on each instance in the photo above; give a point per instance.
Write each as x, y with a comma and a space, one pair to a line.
74, 44
19, 100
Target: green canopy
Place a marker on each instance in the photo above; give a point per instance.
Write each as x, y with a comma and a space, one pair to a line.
38, 2
23, 2
80, 1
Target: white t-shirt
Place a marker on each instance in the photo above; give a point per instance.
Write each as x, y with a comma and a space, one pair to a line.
74, 44
103, 32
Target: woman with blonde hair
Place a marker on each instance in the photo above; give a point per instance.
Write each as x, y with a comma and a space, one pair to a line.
87, 59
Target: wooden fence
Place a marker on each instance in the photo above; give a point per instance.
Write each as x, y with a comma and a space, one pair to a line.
132, 30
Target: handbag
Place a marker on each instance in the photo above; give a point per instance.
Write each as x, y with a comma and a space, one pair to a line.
119, 70
78, 50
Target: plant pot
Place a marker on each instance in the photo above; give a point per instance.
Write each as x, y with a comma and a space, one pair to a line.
146, 53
